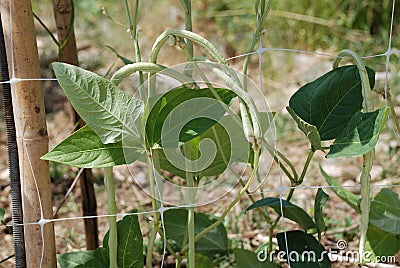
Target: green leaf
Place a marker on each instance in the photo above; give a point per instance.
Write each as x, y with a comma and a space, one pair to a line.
202, 261
194, 115
130, 243
320, 200
248, 259
329, 102
130, 249
105, 109
214, 242
360, 135
382, 243
2, 212
266, 118
385, 211
290, 211
230, 146
124, 60
351, 199
303, 250
84, 149
101, 255
82, 259
309, 130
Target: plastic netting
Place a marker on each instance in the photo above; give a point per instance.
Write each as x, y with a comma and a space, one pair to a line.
301, 66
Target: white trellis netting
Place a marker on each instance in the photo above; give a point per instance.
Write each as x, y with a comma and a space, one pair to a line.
275, 184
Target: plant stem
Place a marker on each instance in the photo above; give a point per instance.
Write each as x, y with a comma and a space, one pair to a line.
187, 6
134, 34
191, 194
155, 206
393, 116
105, 13
262, 212
275, 152
219, 146
365, 181
46, 29
152, 239
204, 43
129, 69
191, 202
192, 249
230, 206
275, 222
128, 13
368, 157
188, 23
306, 165
168, 245
112, 220
262, 12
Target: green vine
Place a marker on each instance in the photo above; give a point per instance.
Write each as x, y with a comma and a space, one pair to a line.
368, 157
112, 219
230, 206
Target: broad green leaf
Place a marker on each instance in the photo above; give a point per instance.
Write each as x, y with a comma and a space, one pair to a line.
130, 243
309, 130
302, 251
175, 224
230, 146
105, 108
130, 249
203, 261
385, 211
249, 259
83, 259
360, 135
351, 199
190, 115
84, 149
329, 102
320, 200
290, 211
382, 243
101, 257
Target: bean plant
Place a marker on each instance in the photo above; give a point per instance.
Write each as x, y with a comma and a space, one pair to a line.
199, 130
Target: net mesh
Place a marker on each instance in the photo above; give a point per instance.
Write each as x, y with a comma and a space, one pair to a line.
273, 186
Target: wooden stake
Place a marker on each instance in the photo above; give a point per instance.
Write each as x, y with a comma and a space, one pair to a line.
63, 14
31, 131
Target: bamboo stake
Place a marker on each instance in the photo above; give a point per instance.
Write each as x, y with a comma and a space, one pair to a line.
68, 53
13, 160
31, 131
